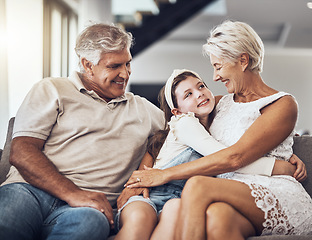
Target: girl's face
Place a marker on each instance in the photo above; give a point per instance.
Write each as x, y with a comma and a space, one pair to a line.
193, 96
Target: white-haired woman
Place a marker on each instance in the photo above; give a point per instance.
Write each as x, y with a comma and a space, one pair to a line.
253, 120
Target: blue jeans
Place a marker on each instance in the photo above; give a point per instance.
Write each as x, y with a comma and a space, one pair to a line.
159, 195
27, 212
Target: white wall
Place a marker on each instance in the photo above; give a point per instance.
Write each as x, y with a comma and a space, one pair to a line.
4, 108
24, 54
285, 70
89, 11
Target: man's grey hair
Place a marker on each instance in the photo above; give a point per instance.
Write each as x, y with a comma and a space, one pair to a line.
100, 38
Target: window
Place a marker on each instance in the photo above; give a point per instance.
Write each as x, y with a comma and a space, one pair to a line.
60, 31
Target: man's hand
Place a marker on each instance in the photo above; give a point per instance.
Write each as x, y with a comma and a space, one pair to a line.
97, 200
129, 192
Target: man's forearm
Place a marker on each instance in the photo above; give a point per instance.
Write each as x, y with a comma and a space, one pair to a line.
38, 170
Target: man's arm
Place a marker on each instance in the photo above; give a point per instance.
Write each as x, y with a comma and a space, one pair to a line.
27, 156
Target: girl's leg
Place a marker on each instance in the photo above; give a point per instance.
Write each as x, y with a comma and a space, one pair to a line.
167, 220
224, 222
200, 192
137, 221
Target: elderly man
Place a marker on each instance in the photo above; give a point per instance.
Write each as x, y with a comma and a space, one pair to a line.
76, 141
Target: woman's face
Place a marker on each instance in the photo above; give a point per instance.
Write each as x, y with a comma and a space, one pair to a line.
193, 96
227, 72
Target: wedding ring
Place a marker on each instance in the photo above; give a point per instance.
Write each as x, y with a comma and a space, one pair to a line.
138, 180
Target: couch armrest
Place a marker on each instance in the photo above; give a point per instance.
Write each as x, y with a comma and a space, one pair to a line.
4, 163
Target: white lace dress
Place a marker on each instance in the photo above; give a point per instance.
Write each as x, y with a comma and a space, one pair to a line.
286, 205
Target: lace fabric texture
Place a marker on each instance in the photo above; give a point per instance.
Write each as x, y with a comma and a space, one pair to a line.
286, 205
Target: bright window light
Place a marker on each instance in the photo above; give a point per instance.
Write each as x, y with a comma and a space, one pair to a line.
309, 5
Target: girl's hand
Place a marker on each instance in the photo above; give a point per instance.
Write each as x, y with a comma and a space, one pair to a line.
149, 177
129, 192
301, 171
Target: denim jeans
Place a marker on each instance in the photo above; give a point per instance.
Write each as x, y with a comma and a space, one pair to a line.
188, 155
27, 212
159, 195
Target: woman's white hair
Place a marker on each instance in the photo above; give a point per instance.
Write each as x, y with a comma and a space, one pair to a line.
99, 39
230, 39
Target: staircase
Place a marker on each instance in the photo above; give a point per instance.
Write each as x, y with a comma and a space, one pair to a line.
147, 28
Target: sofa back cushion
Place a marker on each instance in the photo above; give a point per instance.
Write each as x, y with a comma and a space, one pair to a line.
303, 149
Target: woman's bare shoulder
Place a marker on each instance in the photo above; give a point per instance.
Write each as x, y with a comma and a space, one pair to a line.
285, 106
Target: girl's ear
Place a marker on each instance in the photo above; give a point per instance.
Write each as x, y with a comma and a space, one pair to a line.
87, 65
244, 61
176, 111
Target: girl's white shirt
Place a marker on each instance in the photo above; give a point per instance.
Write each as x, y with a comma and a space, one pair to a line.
186, 131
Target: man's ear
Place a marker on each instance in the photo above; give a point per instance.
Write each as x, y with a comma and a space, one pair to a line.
87, 65
244, 61
176, 111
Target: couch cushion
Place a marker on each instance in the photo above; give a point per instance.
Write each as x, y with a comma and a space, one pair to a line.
303, 149
4, 163
279, 237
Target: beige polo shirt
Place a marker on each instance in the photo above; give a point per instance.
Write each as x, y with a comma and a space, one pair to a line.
95, 144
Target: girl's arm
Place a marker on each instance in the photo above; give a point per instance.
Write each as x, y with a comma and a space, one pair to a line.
191, 132
275, 124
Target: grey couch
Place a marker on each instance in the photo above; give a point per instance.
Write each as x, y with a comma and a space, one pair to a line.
302, 148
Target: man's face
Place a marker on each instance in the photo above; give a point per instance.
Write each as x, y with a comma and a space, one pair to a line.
110, 77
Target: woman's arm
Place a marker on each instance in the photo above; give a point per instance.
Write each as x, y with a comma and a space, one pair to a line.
127, 193
189, 131
274, 125
276, 122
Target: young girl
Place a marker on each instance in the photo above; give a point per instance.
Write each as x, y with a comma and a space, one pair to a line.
187, 103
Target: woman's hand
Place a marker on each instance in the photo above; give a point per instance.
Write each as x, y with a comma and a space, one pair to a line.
149, 177
301, 171
129, 192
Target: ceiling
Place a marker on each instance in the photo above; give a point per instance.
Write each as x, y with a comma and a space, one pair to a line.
280, 23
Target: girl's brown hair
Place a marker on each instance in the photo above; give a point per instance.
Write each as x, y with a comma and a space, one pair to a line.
159, 137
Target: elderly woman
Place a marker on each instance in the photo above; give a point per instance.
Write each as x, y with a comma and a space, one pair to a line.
253, 120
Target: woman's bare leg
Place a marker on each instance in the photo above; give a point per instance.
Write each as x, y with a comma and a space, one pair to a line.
167, 221
199, 192
224, 222
137, 221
